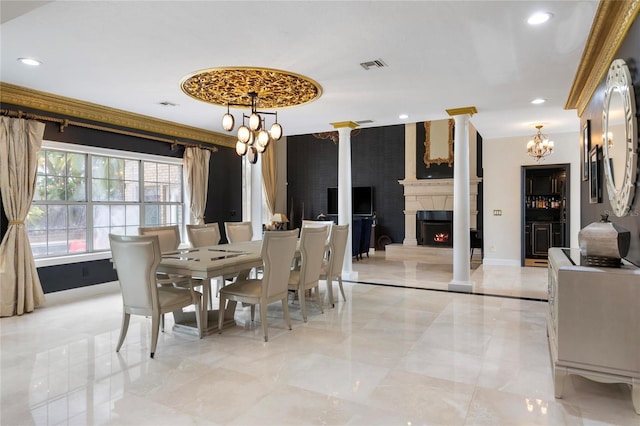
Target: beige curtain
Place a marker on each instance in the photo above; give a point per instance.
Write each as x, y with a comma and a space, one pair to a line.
196, 166
270, 177
20, 288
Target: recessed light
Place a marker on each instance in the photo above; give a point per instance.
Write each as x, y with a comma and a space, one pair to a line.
30, 61
403, 116
539, 18
538, 101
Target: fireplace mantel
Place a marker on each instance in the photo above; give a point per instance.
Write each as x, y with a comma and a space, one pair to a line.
432, 194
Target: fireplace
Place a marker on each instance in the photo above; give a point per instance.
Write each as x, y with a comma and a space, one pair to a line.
435, 228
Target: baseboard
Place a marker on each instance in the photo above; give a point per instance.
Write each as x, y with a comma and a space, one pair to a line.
500, 262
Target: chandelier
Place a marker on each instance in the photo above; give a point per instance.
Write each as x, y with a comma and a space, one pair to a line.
254, 136
540, 146
251, 88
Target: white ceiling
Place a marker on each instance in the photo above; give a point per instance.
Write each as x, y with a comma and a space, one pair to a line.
131, 55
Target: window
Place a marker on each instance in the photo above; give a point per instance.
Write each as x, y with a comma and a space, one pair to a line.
82, 194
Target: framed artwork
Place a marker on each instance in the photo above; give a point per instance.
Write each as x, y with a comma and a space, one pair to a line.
594, 176
586, 148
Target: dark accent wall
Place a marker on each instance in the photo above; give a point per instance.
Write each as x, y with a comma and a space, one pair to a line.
224, 199
630, 52
377, 157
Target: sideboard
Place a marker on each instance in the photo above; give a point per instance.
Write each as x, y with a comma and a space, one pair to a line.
593, 322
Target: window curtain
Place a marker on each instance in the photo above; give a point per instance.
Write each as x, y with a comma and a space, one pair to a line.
269, 177
196, 165
20, 288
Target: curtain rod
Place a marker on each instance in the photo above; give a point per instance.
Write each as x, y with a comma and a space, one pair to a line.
62, 123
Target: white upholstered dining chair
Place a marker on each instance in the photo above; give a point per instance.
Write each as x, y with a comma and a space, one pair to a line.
169, 239
238, 231
312, 249
327, 224
169, 236
136, 259
204, 235
278, 249
332, 267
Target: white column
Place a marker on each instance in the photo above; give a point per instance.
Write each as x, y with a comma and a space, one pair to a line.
344, 191
461, 222
409, 175
256, 198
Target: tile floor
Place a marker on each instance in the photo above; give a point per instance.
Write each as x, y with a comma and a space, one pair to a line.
387, 356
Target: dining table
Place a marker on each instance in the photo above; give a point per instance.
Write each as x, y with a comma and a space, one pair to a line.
202, 264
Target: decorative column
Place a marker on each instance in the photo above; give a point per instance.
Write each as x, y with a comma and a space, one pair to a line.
344, 190
252, 195
461, 221
410, 238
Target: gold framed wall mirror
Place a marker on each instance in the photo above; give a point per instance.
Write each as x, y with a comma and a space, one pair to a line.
438, 142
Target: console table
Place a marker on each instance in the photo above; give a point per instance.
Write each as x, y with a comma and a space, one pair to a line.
593, 322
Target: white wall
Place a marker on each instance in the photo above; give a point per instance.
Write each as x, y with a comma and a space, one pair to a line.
502, 161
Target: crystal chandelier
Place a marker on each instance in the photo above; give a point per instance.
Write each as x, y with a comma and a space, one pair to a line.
540, 146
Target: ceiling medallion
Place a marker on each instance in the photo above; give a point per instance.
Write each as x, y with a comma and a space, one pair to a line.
233, 85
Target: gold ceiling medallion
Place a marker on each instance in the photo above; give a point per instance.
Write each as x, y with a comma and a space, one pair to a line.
233, 85
254, 88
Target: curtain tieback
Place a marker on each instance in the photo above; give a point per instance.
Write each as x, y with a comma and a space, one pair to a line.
16, 222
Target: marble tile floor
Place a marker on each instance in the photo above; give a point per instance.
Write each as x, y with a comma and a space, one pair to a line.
386, 356
510, 281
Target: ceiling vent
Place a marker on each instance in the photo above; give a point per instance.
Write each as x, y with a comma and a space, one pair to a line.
361, 122
376, 63
167, 103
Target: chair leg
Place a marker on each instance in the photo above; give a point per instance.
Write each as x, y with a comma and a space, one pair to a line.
319, 299
253, 313
302, 295
221, 311
341, 288
263, 319
123, 330
155, 329
285, 310
162, 322
330, 292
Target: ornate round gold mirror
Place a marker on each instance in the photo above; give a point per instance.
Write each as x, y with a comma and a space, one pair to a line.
620, 138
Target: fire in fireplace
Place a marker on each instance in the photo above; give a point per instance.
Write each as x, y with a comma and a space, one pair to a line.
441, 237
435, 228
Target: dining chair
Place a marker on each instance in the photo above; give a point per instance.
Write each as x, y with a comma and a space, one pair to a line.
327, 224
169, 239
332, 267
136, 259
207, 235
169, 236
312, 249
278, 249
204, 235
238, 231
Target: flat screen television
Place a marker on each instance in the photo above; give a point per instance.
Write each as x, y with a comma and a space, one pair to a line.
361, 200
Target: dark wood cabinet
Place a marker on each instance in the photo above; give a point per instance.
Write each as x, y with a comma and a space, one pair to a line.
544, 207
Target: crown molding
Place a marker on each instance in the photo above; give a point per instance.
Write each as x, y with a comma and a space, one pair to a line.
22, 96
610, 26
